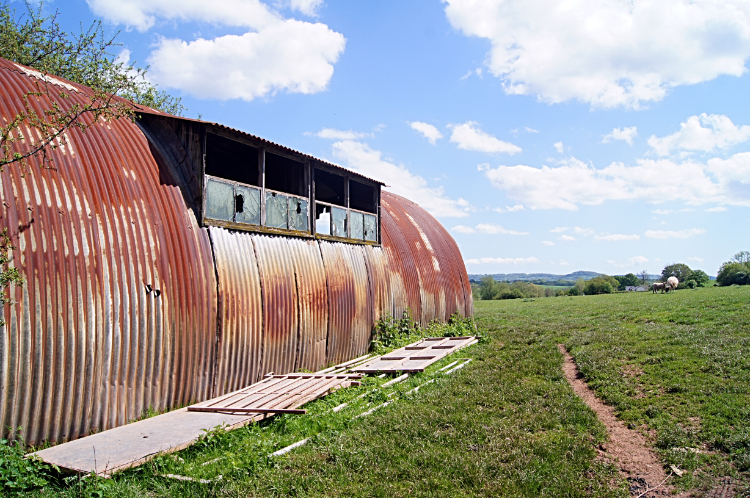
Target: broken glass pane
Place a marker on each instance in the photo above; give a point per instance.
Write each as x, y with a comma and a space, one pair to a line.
357, 225
338, 222
247, 205
298, 216
371, 228
323, 220
276, 210
219, 200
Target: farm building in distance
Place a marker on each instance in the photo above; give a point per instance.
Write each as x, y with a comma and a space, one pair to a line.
170, 260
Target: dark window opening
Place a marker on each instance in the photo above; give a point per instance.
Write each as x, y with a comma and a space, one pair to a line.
239, 202
329, 187
361, 197
232, 160
285, 175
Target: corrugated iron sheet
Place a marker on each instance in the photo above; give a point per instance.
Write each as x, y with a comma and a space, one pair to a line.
129, 304
312, 294
86, 344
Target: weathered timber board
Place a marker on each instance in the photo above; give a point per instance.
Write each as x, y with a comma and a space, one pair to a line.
417, 356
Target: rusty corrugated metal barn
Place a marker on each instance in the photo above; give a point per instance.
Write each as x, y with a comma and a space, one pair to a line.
169, 260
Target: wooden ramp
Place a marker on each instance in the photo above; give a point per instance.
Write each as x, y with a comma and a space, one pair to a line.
134, 444
417, 356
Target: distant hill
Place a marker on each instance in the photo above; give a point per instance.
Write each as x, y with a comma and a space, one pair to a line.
572, 277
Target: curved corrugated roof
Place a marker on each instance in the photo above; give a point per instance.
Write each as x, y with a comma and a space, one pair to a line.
129, 303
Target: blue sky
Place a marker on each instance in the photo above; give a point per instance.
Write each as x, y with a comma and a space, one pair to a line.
547, 136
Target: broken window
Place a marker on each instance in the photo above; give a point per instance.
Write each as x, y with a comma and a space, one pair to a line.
231, 160
322, 219
277, 210
371, 228
357, 224
338, 222
298, 215
229, 201
362, 197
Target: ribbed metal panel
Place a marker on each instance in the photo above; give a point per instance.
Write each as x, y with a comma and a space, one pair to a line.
240, 311
122, 309
349, 309
85, 346
449, 269
280, 303
403, 272
312, 292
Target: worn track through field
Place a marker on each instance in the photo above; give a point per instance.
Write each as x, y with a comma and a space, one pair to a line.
627, 448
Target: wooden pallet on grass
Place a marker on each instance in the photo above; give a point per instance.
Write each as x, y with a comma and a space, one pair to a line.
417, 356
278, 394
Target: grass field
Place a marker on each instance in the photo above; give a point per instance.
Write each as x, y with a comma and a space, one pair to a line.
676, 367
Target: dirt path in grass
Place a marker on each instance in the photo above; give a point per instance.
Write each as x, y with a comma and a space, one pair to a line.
628, 449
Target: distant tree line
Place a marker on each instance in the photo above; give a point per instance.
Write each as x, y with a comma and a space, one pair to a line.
736, 271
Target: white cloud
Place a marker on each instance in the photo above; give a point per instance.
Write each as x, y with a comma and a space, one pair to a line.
333, 134
361, 158
291, 55
530, 130
548, 243
717, 209
564, 263
572, 182
671, 234
510, 209
583, 231
143, 14
427, 130
307, 7
630, 262
614, 237
704, 133
468, 136
624, 134
502, 261
696, 259
462, 229
567, 238
487, 228
608, 53
559, 147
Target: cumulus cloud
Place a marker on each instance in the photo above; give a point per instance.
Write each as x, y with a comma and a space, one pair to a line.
510, 209
704, 133
274, 54
616, 237
674, 234
607, 53
572, 182
583, 231
564, 263
696, 259
559, 147
567, 238
717, 209
559, 229
630, 262
427, 130
333, 134
624, 134
307, 7
487, 228
469, 136
530, 130
502, 261
548, 243
293, 56
361, 158
143, 14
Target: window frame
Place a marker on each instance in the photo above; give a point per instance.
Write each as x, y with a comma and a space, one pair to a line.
309, 167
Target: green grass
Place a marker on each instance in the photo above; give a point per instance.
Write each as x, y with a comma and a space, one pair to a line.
676, 367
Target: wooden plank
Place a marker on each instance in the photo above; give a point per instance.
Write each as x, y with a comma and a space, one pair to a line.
247, 410
417, 356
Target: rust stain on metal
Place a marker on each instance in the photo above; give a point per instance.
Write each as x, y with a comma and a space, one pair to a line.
130, 304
